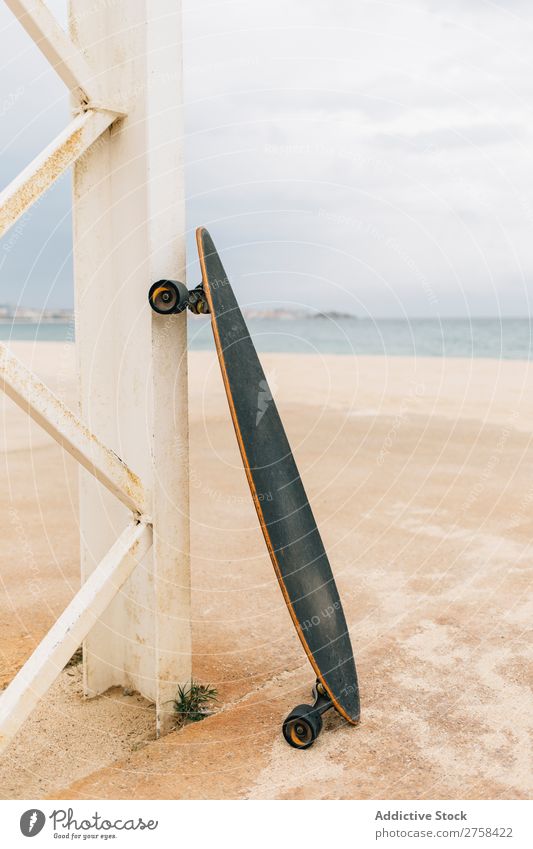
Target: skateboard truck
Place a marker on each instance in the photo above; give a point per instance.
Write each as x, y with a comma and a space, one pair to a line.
304, 723
168, 297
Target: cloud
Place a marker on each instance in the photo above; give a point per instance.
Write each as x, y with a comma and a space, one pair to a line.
382, 151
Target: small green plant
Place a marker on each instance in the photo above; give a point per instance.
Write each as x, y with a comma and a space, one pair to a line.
192, 702
76, 658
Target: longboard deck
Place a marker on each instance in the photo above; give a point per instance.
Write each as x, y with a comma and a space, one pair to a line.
291, 535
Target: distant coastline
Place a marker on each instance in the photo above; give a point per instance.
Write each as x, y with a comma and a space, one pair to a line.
45, 320
32, 315
332, 333
296, 315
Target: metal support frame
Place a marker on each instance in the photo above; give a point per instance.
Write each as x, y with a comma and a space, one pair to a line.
62, 640
39, 175
32, 396
129, 228
66, 59
128, 210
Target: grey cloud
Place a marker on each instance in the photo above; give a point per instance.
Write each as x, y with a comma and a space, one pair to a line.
367, 152
473, 136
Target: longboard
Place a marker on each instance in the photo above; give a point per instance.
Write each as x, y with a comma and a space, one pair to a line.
285, 515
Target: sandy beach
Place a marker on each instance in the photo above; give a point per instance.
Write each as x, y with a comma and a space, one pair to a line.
420, 473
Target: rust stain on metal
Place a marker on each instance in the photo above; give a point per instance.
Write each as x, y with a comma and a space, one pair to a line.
37, 183
134, 485
136, 545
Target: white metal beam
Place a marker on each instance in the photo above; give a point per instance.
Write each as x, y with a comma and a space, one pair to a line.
129, 230
49, 658
32, 396
66, 59
39, 175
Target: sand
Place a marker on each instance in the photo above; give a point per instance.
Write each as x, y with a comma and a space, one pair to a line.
420, 473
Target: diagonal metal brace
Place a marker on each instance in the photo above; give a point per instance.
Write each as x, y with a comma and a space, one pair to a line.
64, 56
39, 175
53, 652
32, 396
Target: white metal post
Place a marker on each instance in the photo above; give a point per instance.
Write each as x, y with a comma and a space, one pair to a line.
128, 232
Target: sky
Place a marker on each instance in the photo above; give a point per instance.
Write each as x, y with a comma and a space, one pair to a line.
371, 157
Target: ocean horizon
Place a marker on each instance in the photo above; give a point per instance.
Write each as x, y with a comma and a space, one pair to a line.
506, 338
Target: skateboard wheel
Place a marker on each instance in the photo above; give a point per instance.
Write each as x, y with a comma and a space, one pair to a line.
168, 296
302, 727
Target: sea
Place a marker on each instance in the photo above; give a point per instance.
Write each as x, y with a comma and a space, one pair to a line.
506, 338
